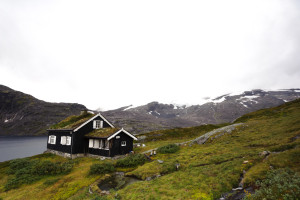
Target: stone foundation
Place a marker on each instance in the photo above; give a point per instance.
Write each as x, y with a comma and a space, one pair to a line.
67, 155
63, 154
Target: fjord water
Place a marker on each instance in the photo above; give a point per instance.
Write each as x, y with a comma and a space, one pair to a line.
20, 147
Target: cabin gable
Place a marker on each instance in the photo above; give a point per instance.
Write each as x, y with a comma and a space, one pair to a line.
122, 144
80, 143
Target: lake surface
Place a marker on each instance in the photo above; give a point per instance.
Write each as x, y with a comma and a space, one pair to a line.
20, 147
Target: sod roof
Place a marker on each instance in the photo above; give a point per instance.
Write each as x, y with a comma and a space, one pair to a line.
102, 133
72, 122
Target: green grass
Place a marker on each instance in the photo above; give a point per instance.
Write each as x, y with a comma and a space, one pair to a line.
205, 171
71, 121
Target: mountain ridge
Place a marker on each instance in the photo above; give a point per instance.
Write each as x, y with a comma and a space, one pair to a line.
222, 109
23, 114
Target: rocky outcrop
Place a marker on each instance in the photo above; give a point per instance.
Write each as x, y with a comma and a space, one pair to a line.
215, 133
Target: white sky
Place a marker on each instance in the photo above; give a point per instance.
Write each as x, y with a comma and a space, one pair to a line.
110, 54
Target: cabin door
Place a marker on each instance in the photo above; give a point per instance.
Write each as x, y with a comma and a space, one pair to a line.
118, 146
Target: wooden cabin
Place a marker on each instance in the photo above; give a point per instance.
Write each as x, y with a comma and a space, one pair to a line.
89, 135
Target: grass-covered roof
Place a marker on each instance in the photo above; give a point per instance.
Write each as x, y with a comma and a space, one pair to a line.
102, 133
73, 121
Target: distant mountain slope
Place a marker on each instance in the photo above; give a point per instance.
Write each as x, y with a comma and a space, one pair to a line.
22, 114
226, 108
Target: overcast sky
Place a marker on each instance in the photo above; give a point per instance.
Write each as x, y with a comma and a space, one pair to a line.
108, 54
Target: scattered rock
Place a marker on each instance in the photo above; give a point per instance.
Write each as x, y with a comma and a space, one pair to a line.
104, 192
245, 162
238, 188
160, 161
264, 153
177, 165
90, 190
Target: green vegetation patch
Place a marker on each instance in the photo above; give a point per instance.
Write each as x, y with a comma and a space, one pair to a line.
279, 184
103, 132
170, 148
72, 121
26, 171
101, 168
132, 160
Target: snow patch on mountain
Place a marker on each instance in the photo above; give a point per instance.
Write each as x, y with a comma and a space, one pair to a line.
130, 107
242, 102
219, 100
157, 112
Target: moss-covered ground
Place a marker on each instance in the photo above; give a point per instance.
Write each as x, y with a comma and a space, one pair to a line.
205, 171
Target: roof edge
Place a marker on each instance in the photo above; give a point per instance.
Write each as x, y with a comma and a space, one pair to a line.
121, 130
98, 115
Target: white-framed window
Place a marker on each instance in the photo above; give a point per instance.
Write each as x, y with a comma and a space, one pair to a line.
68, 140
52, 139
96, 144
118, 137
63, 140
97, 124
91, 143
123, 143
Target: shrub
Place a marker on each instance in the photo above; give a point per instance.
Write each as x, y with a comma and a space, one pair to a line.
170, 148
18, 164
102, 168
279, 184
168, 167
27, 171
132, 160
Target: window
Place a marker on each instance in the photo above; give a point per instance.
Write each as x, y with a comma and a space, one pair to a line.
101, 144
52, 139
63, 140
97, 124
91, 143
106, 144
123, 143
68, 140
96, 144
117, 137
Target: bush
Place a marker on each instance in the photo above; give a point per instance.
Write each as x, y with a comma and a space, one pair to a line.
279, 184
103, 168
27, 171
168, 167
132, 160
170, 148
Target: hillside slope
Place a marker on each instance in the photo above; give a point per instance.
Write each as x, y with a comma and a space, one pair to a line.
22, 114
267, 141
223, 109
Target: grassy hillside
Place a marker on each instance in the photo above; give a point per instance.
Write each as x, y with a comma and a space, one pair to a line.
205, 171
